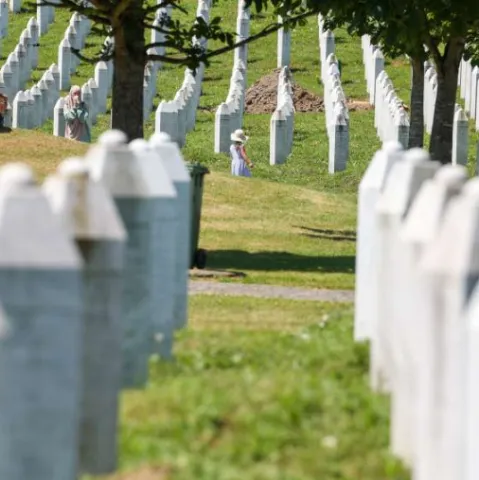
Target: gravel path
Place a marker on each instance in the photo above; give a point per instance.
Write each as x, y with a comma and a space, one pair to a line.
269, 291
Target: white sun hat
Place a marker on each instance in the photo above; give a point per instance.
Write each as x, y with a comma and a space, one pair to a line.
239, 136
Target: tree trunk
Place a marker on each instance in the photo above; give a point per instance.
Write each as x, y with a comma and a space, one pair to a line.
447, 72
129, 66
416, 127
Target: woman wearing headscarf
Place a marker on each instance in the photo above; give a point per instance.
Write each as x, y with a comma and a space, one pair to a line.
240, 163
76, 117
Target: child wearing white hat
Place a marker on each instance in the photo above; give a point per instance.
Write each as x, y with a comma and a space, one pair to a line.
239, 160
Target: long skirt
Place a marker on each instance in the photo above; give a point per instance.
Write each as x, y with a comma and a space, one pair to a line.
239, 168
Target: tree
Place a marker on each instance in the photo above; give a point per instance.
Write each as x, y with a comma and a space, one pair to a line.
127, 22
449, 30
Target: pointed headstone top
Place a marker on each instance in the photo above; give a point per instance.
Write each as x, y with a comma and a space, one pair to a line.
31, 237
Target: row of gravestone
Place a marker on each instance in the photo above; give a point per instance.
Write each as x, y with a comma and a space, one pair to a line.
229, 114
327, 46
178, 116
336, 116
373, 60
335, 105
460, 136
284, 46
45, 16
32, 107
93, 281
417, 302
158, 38
24, 58
468, 81
18, 67
390, 117
282, 120
430, 93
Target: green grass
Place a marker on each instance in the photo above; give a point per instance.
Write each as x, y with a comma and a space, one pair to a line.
279, 234
285, 398
308, 164
275, 233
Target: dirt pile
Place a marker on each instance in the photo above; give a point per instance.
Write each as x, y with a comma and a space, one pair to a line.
261, 97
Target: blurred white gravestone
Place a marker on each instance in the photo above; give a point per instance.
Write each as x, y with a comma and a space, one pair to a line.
451, 266
40, 338
472, 388
401, 187
113, 163
370, 188
172, 160
419, 229
89, 215
164, 250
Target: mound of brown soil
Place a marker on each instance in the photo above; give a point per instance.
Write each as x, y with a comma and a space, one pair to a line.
261, 97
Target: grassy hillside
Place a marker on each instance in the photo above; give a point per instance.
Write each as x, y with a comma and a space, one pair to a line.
274, 233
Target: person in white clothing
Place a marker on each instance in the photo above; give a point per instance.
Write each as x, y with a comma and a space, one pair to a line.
240, 163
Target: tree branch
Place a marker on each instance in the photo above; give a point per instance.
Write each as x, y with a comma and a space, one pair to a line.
164, 4
159, 29
167, 59
263, 33
102, 57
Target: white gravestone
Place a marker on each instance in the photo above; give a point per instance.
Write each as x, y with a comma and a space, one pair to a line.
401, 187
164, 251
172, 160
370, 188
452, 269
88, 213
41, 327
419, 229
112, 162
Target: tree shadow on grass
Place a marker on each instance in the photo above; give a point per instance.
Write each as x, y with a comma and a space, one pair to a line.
328, 234
277, 261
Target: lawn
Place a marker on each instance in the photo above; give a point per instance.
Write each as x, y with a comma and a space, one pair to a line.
279, 234
262, 389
